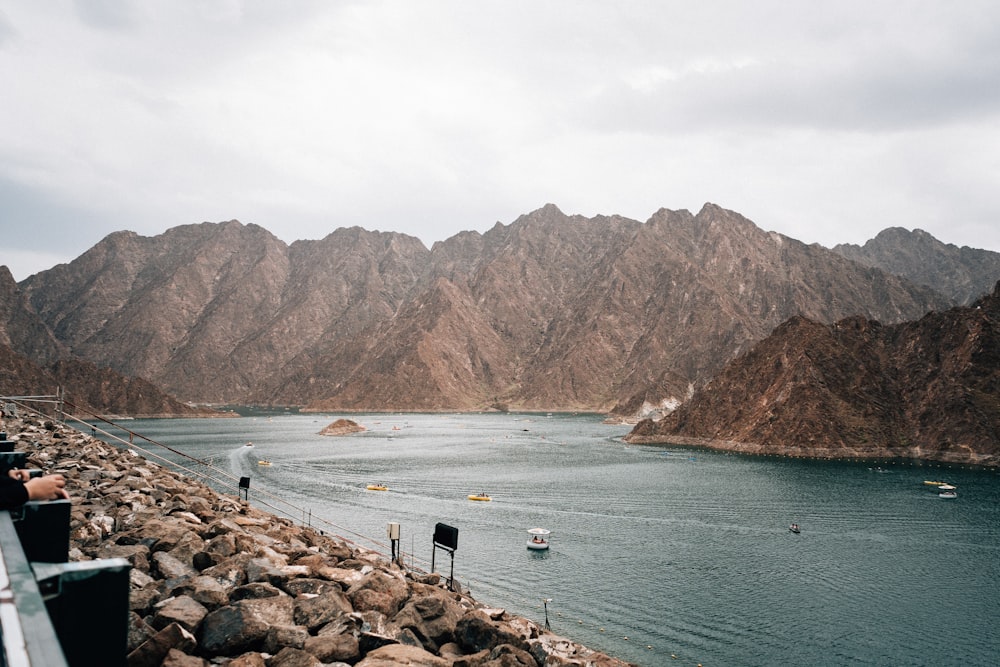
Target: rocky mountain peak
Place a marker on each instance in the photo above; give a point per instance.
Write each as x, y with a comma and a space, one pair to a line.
552, 311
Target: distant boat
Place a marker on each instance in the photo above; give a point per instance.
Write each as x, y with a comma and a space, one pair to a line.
794, 528
263, 462
480, 496
947, 491
931, 483
377, 487
538, 541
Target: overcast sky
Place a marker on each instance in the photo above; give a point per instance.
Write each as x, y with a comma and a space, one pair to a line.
827, 122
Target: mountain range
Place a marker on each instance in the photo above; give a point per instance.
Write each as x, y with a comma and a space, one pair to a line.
927, 389
551, 312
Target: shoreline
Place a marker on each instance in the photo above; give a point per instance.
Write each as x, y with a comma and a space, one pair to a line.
913, 455
214, 578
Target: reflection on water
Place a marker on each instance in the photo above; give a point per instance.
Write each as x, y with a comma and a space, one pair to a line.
656, 552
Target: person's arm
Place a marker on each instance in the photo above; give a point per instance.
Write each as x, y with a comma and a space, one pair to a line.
47, 487
12, 493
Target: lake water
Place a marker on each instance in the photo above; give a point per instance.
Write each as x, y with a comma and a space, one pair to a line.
656, 552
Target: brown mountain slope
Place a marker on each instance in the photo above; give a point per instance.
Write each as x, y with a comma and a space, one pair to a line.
589, 313
549, 312
87, 389
34, 363
963, 274
925, 389
21, 328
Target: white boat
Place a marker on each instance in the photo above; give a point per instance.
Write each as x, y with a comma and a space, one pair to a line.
539, 538
947, 491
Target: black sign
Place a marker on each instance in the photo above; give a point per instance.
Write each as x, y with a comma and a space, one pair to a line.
446, 536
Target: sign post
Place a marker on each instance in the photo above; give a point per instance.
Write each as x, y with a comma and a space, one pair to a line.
446, 537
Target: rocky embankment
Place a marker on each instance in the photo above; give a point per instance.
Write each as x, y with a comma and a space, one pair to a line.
214, 581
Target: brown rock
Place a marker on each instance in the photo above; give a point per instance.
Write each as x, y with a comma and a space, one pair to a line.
259, 589
138, 631
248, 660
152, 651
182, 610
342, 427
379, 591
476, 632
293, 657
395, 655
242, 626
313, 612
176, 658
432, 617
171, 568
280, 636
334, 647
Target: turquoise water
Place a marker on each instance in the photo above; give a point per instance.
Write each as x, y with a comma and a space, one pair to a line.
656, 552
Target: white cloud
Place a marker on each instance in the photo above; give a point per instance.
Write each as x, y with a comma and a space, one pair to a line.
827, 123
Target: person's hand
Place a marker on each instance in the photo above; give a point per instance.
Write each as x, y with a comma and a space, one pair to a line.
19, 475
47, 487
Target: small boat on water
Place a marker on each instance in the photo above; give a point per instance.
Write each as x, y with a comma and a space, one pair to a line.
377, 487
933, 483
794, 528
539, 539
480, 496
263, 462
947, 491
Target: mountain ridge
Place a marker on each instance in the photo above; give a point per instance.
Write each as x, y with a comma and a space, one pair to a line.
924, 389
551, 311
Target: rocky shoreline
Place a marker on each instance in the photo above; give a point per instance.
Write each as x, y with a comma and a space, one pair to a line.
215, 581
959, 457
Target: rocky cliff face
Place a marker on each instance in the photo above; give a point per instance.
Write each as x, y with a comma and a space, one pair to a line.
549, 312
963, 274
926, 389
33, 363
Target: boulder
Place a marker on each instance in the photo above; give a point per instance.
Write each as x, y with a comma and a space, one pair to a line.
152, 651
396, 655
476, 631
243, 625
379, 591
334, 647
183, 610
315, 611
432, 617
294, 657
176, 658
280, 636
